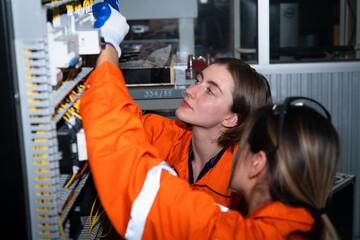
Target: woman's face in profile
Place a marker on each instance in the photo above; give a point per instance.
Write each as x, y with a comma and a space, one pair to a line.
207, 102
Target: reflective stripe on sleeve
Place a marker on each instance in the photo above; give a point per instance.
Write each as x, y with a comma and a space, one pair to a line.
144, 201
223, 208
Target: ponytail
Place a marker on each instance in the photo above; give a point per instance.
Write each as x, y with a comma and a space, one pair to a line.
322, 229
327, 230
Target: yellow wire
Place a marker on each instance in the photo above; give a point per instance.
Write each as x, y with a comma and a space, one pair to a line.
96, 217
70, 181
91, 211
68, 115
72, 199
61, 228
75, 114
69, 77
103, 236
80, 87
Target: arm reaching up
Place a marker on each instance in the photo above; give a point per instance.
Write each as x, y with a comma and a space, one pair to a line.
113, 27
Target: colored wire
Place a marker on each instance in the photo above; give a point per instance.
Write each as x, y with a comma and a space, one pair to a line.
96, 218
106, 234
73, 195
92, 222
70, 181
76, 175
61, 228
82, 170
91, 211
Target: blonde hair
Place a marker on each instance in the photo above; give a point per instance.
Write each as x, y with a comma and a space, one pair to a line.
302, 170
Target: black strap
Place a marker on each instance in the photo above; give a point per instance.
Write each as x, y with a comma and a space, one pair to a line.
317, 212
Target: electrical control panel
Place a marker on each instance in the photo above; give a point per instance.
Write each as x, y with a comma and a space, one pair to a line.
52, 41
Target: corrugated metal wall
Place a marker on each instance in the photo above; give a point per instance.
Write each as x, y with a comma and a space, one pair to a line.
337, 87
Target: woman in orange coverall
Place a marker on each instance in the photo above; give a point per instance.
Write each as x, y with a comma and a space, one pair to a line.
281, 152
215, 107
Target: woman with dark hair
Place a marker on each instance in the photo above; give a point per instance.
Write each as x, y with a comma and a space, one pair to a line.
296, 152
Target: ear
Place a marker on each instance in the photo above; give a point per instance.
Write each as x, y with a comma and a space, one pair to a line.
258, 164
230, 120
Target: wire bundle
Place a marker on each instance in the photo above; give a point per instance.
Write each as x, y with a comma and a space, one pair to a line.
98, 218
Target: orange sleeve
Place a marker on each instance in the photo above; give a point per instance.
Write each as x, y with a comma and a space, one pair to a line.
115, 142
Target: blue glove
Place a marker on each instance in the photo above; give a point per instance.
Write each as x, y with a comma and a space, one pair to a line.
113, 25
114, 4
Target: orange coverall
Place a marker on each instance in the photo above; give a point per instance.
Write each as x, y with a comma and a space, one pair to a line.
172, 139
139, 192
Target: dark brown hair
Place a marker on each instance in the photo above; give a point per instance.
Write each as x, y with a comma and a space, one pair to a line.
251, 91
